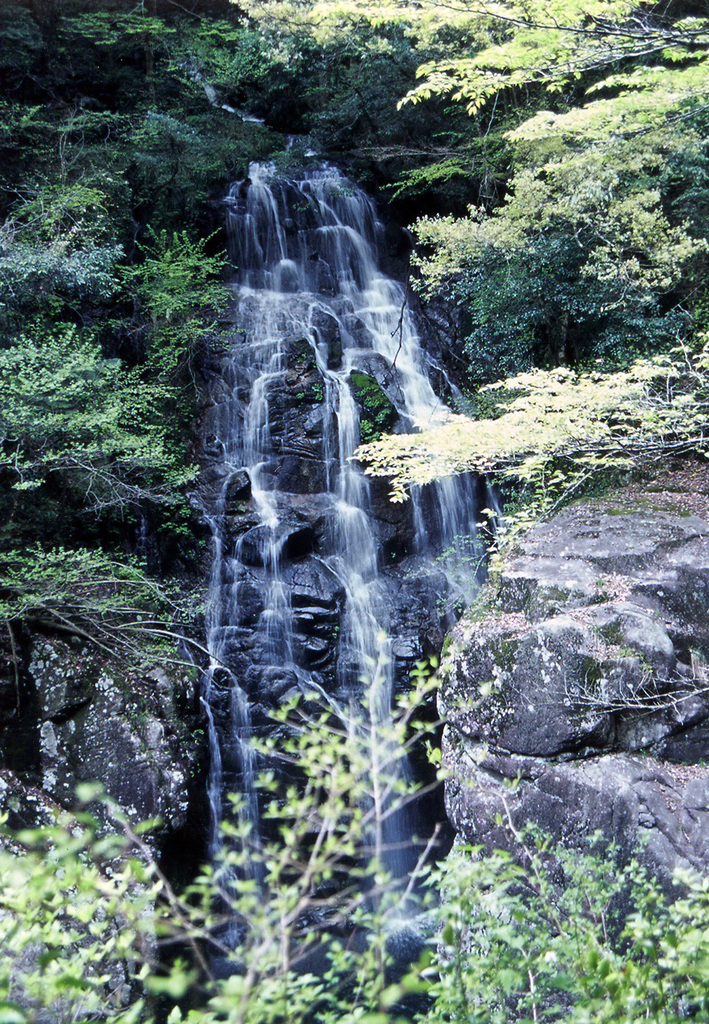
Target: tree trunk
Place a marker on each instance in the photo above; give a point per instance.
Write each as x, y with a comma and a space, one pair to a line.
149, 11
47, 14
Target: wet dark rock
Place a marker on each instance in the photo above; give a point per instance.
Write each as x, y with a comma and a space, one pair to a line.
214, 476
415, 602
236, 644
270, 684
237, 492
65, 676
406, 943
302, 471
8, 696
316, 621
328, 335
300, 358
261, 545
315, 422
26, 806
247, 603
313, 583
317, 511
314, 651
241, 522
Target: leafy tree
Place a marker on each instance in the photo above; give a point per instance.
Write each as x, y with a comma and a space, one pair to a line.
349, 73
650, 61
508, 45
181, 291
106, 127
84, 444
543, 937
66, 410
582, 261
555, 430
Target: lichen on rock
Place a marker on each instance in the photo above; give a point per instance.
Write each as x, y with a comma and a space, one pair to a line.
88, 718
576, 695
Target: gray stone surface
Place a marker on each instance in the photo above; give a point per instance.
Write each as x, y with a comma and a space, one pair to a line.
94, 720
576, 693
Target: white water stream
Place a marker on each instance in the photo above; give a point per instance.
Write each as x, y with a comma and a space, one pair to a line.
307, 250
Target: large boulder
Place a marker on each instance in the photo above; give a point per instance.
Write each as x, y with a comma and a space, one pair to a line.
95, 720
575, 692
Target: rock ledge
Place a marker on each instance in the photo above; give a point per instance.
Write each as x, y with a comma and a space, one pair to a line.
576, 691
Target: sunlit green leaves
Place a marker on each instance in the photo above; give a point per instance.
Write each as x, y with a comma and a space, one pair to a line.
588, 421
531, 45
181, 288
67, 409
547, 934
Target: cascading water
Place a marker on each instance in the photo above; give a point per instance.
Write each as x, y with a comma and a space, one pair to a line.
315, 578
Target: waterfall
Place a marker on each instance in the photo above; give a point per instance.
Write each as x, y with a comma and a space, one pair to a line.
315, 577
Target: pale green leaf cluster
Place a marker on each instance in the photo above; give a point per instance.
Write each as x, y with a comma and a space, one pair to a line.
101, 27
322, 20
538, 44
602, 198
75, 910
585, 421
300, 929
543, 939
512, 44
58, 246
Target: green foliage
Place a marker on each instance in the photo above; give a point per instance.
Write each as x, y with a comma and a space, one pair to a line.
423, 179
179, 157
574, 266
57, 251
20, 41
182, 293
67, 921
557, 429
111, 150
311, 902
301, 928
596, 250
349, 71
113, 605
85, 445
68, 410
542, 938
519, 45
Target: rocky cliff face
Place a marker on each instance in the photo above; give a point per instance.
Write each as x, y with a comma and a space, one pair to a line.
576, 691
69, 714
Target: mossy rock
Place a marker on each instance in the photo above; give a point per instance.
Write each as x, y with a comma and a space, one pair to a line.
377, 412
